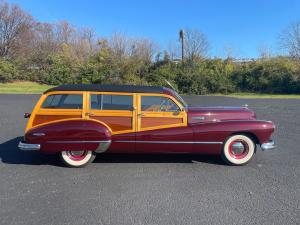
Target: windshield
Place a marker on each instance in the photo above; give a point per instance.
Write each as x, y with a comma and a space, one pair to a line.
179, 98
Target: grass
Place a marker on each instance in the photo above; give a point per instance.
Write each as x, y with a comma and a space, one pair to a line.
23, 87
26, 87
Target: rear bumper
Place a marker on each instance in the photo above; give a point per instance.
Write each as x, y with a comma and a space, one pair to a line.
28, 147
268, 145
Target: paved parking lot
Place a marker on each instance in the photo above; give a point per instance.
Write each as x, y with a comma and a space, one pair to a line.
152, 189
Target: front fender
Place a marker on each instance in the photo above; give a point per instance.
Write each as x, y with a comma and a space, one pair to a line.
219, 131
75, 135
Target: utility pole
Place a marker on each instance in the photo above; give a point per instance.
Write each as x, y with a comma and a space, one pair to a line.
181, 37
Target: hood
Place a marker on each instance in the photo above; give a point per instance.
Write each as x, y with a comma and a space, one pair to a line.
221, 113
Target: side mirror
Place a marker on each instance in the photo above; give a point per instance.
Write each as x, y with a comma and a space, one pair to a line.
27, 115
177, 112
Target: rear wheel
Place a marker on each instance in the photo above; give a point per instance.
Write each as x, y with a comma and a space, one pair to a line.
238, 150
77, 158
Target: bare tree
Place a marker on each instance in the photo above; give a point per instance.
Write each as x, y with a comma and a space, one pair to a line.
87, 34
231, 51
143, 49
290, 39
173, 50
265, 51
196, 44
65, 32
120, 45
85, 44
44, 42
15, 25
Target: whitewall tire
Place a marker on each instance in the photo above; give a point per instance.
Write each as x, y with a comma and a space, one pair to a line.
238, 150
77, 158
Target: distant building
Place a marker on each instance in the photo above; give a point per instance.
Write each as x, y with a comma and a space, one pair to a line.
176, 61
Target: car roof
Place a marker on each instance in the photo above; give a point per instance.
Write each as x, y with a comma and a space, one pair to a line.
108, 88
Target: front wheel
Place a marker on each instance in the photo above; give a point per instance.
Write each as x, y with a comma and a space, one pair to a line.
238, 150
77, 158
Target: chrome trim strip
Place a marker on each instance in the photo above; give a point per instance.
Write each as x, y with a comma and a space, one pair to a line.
108, 141
198, 117
173, 142
38, 134
245, 120
28, 147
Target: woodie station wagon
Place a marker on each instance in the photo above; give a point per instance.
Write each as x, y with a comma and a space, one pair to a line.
78, 121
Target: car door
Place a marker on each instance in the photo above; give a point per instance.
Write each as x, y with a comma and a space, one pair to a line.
162, 125
116, 110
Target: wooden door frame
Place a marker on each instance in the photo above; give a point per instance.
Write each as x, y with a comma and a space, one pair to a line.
119, 113
140, 113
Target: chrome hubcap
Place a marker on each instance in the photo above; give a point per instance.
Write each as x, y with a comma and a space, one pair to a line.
237, 148
77, 153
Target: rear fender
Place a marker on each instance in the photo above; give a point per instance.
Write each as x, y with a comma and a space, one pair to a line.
75, 135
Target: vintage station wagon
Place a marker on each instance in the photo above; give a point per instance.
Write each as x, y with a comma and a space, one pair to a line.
78, 121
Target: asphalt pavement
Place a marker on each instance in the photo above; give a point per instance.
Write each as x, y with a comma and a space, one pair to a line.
152, 189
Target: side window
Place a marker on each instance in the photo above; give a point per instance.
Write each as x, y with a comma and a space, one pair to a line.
158, 104
111, 102
63, 101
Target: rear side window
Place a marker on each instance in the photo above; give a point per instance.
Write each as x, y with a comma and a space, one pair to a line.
111, 102
63, 101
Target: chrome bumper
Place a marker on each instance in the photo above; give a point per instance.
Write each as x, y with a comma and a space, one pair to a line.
268, 146
28, 147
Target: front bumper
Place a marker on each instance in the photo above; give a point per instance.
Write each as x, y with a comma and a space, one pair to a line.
268, 145
28, 147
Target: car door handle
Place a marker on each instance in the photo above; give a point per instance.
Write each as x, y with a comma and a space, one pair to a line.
89, 114
141, 114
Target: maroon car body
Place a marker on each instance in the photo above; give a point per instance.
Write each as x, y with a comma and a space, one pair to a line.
206, 131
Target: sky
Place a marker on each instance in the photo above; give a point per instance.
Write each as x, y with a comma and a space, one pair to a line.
241, 27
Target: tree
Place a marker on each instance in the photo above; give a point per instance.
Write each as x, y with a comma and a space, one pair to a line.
173, 50
143, 49
7, 71
290, 40
167, 57
85, 44
15, 26
196, 44
65, 32
265, 51
44, 42
231, 52
120, 45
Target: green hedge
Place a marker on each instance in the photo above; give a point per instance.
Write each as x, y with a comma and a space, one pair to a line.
274, 75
